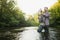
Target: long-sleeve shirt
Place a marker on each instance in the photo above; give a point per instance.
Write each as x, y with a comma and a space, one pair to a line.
46, 18
41, 19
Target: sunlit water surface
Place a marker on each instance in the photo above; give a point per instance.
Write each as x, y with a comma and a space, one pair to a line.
30, 33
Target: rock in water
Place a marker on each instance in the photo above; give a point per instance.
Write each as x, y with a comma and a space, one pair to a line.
43, 30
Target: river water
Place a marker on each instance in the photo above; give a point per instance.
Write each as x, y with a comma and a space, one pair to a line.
30, 33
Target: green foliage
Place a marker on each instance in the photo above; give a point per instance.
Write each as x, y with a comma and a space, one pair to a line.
55, 14
10, 16
32, 22
58, 0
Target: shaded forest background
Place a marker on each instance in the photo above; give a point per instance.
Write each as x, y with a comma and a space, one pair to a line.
12, 16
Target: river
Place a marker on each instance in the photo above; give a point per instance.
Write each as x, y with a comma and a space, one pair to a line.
30, 33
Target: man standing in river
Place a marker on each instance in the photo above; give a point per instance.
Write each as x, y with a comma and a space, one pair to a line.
40, 17
46, 18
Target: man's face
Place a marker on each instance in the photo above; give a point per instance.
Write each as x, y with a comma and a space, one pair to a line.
45, 9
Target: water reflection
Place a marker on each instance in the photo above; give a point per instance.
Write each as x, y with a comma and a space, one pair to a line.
31, 34
45, 36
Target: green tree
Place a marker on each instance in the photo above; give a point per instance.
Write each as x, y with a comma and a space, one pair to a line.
58, 0
32, 21
10, 16
55, 13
